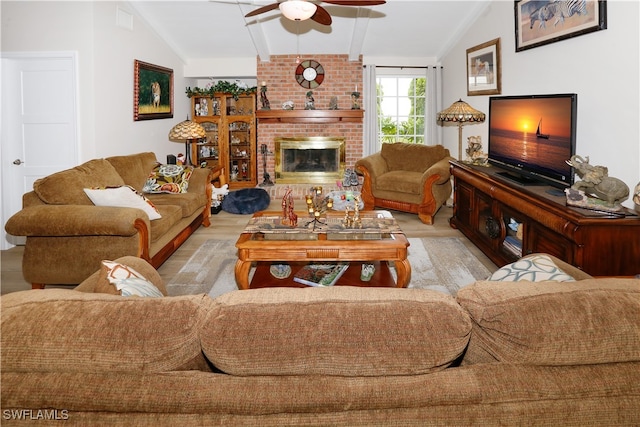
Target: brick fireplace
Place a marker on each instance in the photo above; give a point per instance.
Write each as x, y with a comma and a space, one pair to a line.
341, 79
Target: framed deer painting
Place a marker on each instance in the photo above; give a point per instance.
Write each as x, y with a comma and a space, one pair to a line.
152, 91
484, 71
542, 22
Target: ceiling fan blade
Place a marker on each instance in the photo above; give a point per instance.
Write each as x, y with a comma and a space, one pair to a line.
355, 2
321, 16
262, 9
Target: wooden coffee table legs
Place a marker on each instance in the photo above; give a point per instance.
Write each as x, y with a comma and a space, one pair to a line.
403, 268
242, 273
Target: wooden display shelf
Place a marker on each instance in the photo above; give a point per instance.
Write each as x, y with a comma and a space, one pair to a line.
382, 277
310, 116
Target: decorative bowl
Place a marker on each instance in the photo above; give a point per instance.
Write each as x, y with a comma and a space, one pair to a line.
280, 271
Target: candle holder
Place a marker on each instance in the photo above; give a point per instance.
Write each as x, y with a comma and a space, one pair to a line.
317, 205
352, 214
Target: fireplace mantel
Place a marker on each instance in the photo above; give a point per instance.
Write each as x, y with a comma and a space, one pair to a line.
310, 116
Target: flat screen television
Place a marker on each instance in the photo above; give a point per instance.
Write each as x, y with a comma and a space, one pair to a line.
532, 136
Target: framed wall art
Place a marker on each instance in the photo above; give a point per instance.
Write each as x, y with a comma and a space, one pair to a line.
542, 22
484, 72
152, 91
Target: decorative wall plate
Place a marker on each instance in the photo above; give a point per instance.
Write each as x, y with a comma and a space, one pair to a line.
309, 74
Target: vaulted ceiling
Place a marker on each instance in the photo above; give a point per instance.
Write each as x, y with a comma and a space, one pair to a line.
218, 29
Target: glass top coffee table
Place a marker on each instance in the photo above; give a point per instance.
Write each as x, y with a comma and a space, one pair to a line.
266, 241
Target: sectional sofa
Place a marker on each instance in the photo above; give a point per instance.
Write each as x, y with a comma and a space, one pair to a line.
500, 353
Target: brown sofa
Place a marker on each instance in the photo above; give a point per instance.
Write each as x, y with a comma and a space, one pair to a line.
502, 353
67, 236
412, 178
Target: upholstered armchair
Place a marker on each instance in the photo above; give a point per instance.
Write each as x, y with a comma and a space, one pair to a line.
407, 177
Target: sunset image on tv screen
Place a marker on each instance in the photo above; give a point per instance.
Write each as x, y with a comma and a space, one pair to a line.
534, 131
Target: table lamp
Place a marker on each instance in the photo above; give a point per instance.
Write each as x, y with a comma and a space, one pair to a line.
461, 113
187, 131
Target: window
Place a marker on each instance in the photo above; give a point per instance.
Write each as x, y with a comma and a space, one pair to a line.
401, 108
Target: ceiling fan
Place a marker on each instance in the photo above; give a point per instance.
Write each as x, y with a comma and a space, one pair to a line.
300, 10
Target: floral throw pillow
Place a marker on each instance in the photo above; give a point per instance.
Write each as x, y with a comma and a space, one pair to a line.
168, 179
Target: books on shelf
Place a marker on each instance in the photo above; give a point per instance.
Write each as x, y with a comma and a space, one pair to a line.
320, 274
513, 245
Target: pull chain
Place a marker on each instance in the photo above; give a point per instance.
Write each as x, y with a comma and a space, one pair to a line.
297, 41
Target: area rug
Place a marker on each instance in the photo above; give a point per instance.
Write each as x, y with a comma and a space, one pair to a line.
442, 264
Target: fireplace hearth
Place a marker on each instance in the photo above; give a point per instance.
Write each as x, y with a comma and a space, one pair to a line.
316, 159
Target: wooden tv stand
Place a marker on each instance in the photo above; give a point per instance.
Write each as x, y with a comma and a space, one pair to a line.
507, 220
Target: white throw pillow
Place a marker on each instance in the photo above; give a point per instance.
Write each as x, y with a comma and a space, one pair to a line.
536, 268
124, 197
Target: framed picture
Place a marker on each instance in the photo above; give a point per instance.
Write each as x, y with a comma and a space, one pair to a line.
543, 22
484, 73
152, 91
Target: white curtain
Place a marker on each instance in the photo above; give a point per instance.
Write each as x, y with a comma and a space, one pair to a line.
370, 106
433, 132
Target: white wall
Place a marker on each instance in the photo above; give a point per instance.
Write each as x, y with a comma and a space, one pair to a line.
63, 26
106, 57
601, 67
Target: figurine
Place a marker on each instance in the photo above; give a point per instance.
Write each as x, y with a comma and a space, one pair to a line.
597, 182
475, 155
355, 100
333, 103
266, 105
204, 109
289, 217
288, 105
310, 103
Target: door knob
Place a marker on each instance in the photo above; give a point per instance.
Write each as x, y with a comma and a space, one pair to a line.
18, 162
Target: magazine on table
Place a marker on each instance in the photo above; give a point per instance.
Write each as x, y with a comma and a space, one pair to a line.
320, 274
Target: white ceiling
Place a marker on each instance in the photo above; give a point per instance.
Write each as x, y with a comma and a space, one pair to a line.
400, 28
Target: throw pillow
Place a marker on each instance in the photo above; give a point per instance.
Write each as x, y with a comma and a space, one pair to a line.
65, 187
124, 197
537, 268
119, 279
168, 179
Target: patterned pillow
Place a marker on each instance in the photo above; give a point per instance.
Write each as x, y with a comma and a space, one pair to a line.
168, 179
536, 268
119, 279
124, 197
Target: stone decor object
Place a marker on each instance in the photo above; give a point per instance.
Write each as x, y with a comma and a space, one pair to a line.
289, 105
597, 182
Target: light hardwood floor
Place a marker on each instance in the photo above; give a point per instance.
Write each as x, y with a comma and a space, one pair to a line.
228, 226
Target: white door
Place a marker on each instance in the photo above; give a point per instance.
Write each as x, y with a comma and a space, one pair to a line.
39, 124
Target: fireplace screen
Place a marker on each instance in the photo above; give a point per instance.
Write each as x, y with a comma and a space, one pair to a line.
309, 160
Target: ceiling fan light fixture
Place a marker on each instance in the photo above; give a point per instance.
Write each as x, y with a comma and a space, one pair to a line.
297, 10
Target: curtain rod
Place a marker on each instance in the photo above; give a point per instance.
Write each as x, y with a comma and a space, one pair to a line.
406, 66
